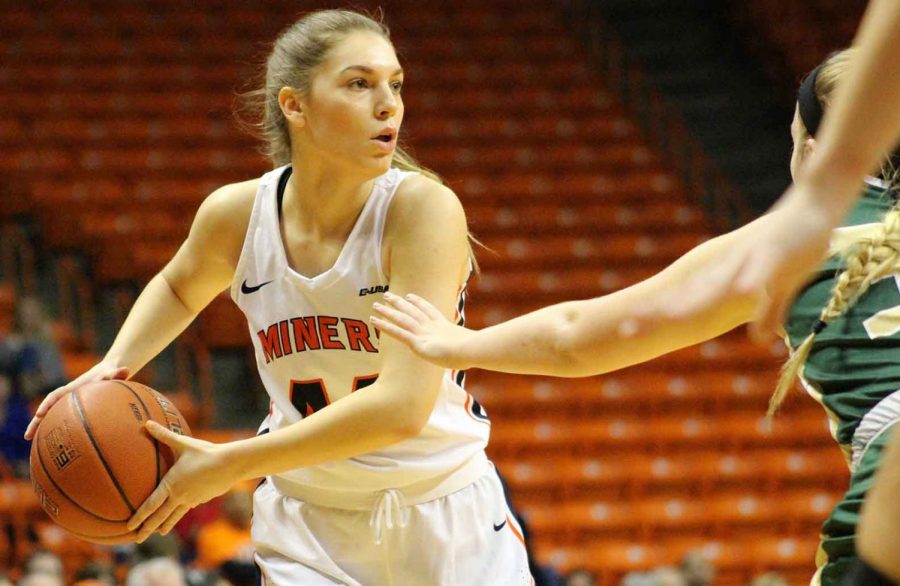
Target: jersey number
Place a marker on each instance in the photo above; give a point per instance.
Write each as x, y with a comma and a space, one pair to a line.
886, 322
308, 396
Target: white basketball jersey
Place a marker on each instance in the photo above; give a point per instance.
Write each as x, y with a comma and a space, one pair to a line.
314, 346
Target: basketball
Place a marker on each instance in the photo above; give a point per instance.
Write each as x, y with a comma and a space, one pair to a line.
92, 461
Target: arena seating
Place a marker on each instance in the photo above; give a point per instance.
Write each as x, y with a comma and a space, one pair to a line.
116, 120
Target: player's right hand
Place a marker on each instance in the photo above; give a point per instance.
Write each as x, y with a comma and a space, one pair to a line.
100, 371
420, 326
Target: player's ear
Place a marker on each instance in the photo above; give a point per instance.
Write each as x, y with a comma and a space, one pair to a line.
291, 107
809, 147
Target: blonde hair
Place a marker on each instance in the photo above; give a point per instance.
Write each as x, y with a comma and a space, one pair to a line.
833, 69
865, 262
295, 54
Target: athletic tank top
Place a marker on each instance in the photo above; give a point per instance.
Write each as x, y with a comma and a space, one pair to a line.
314, 346
853, 363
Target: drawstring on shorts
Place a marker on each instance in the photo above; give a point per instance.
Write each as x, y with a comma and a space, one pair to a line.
390, 510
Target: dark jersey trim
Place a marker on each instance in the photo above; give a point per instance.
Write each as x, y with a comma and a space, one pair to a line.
282, 184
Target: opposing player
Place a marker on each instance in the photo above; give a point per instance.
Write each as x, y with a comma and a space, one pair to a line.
841, 328
374, 459
863, 123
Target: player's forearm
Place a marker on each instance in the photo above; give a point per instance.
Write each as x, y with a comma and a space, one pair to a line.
583, 338
529, 344
360, 423
863, 122
155, 319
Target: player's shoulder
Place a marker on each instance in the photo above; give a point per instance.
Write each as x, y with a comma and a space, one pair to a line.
228, 208
231, 199
422, 198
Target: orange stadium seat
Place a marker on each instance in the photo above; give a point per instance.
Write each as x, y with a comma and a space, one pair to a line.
608, 476
662, 517
823, 467
222, 325
611, 559
580, 218
779, 553
735, 514
805, 510
594, 519
7, 307
545, 480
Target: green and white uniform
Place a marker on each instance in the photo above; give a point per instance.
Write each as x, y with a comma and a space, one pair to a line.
853, 371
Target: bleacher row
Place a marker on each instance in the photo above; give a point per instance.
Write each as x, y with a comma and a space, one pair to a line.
796, 36
616, 473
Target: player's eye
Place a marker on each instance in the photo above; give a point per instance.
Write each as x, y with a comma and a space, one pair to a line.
359, 84
396, 86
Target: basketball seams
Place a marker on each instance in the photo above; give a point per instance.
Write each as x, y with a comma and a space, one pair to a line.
63, 492
149, 418
106, 428
90, 434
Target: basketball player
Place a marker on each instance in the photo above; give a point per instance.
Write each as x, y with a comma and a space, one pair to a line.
840, 327
373, 458
863, 124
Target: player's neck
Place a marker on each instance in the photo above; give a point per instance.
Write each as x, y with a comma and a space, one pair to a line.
324, 201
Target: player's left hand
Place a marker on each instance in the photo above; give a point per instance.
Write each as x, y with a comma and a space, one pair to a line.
422, 328
768, 265
200, 473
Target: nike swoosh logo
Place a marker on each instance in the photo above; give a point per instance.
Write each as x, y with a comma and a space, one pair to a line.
500, 526
246, 289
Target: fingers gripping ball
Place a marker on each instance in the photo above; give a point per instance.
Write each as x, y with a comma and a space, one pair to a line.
92, 461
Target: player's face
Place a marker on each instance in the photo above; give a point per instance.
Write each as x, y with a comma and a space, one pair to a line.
354, 110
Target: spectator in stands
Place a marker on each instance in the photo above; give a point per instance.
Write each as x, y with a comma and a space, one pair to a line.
14, 417
156, 546
189, 527
769, 579
156, 572
43, 563
697, 569
40, 580
227, 538
849, 301
667, 576
96, 573
237, 573
580, 577
35, 354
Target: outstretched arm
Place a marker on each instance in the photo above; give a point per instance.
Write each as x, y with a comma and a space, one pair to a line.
859, 128
577, 338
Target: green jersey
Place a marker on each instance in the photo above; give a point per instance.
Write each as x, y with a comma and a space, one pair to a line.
855, 360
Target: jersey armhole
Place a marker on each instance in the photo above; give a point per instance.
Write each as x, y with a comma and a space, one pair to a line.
381, 220
255, 213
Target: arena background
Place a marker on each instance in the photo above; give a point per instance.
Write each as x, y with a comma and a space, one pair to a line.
591, 142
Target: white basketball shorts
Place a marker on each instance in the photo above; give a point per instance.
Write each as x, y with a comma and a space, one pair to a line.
467, 538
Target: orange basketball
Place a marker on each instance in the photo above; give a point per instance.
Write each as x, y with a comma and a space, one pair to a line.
92, 461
